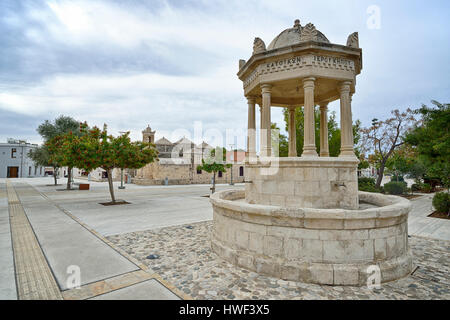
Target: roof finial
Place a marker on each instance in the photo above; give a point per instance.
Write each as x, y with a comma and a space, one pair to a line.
296, 23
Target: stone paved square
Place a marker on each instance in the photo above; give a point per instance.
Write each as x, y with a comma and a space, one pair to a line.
187, 261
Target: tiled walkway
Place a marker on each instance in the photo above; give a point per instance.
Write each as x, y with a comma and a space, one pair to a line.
33, 275
423, 226
54, 240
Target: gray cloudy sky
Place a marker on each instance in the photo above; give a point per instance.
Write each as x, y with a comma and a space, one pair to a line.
171, 63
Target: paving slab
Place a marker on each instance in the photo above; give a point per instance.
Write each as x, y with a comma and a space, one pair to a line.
149, 208
66, 243
419, 224
147, 290
7, 278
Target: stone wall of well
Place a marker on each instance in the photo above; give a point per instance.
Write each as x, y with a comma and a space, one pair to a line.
299, 182
333, 247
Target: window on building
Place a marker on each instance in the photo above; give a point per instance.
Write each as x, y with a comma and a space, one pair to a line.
220, 174
199, 171
29, 171
181, 153
13, 152
241, 171
40, 171
35, 170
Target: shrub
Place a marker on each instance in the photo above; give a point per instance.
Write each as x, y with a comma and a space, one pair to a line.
367, 184
395, 187
426, 188
422, 187
400, 178
441, 202
365, 180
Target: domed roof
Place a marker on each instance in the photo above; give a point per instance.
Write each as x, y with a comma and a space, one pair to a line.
296, 35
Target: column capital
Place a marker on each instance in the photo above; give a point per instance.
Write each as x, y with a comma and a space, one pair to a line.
266, 88
308, 82
345, 86
292, 108
323, 106
251, 99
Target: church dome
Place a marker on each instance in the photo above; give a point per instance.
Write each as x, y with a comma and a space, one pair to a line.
297, 34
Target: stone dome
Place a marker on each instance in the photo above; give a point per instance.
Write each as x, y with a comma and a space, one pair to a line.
296, 35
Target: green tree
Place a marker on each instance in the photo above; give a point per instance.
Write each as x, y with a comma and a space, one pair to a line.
214, 163
431, 140
334, 133
282, 147
63, 152
406, 161
50, 130
41, 157
384, 137
95, 148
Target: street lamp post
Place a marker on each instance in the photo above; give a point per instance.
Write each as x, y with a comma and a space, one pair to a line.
233, 160
121, 180
121, 170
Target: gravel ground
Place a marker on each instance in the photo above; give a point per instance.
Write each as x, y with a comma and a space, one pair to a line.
187, 261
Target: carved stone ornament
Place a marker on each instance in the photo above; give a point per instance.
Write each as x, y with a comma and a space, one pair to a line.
353, 40
258, 46
309, 33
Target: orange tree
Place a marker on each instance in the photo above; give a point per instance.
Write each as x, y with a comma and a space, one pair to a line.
95, 148
49, 130
63, 152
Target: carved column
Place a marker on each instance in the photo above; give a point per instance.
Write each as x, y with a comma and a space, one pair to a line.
266, 141
346, 121
251, 137
324, 149
292, 133
260, 116
309, 146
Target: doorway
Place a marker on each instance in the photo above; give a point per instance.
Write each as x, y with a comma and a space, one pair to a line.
13, 172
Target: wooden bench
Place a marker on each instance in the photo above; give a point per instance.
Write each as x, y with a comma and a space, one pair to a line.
83, 186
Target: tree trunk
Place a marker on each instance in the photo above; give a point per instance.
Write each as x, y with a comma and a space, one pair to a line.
111, 185
55, 173
380, 175
69, 178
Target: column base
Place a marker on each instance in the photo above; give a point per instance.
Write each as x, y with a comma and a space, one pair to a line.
347, 152
266, 152
310, 152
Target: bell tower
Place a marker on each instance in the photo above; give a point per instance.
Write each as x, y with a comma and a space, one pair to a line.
148, 135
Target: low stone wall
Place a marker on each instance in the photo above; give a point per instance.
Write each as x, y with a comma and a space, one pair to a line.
179, 174
324, 246
161, 182
303, 182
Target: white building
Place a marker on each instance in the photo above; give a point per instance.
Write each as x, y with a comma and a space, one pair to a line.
14, 160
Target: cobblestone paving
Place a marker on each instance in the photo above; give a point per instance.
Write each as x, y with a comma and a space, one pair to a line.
187, 261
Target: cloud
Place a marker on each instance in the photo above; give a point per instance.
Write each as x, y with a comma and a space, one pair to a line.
171, 63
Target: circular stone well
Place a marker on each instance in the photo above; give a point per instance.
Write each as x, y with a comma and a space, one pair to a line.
300, 217
324, 246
